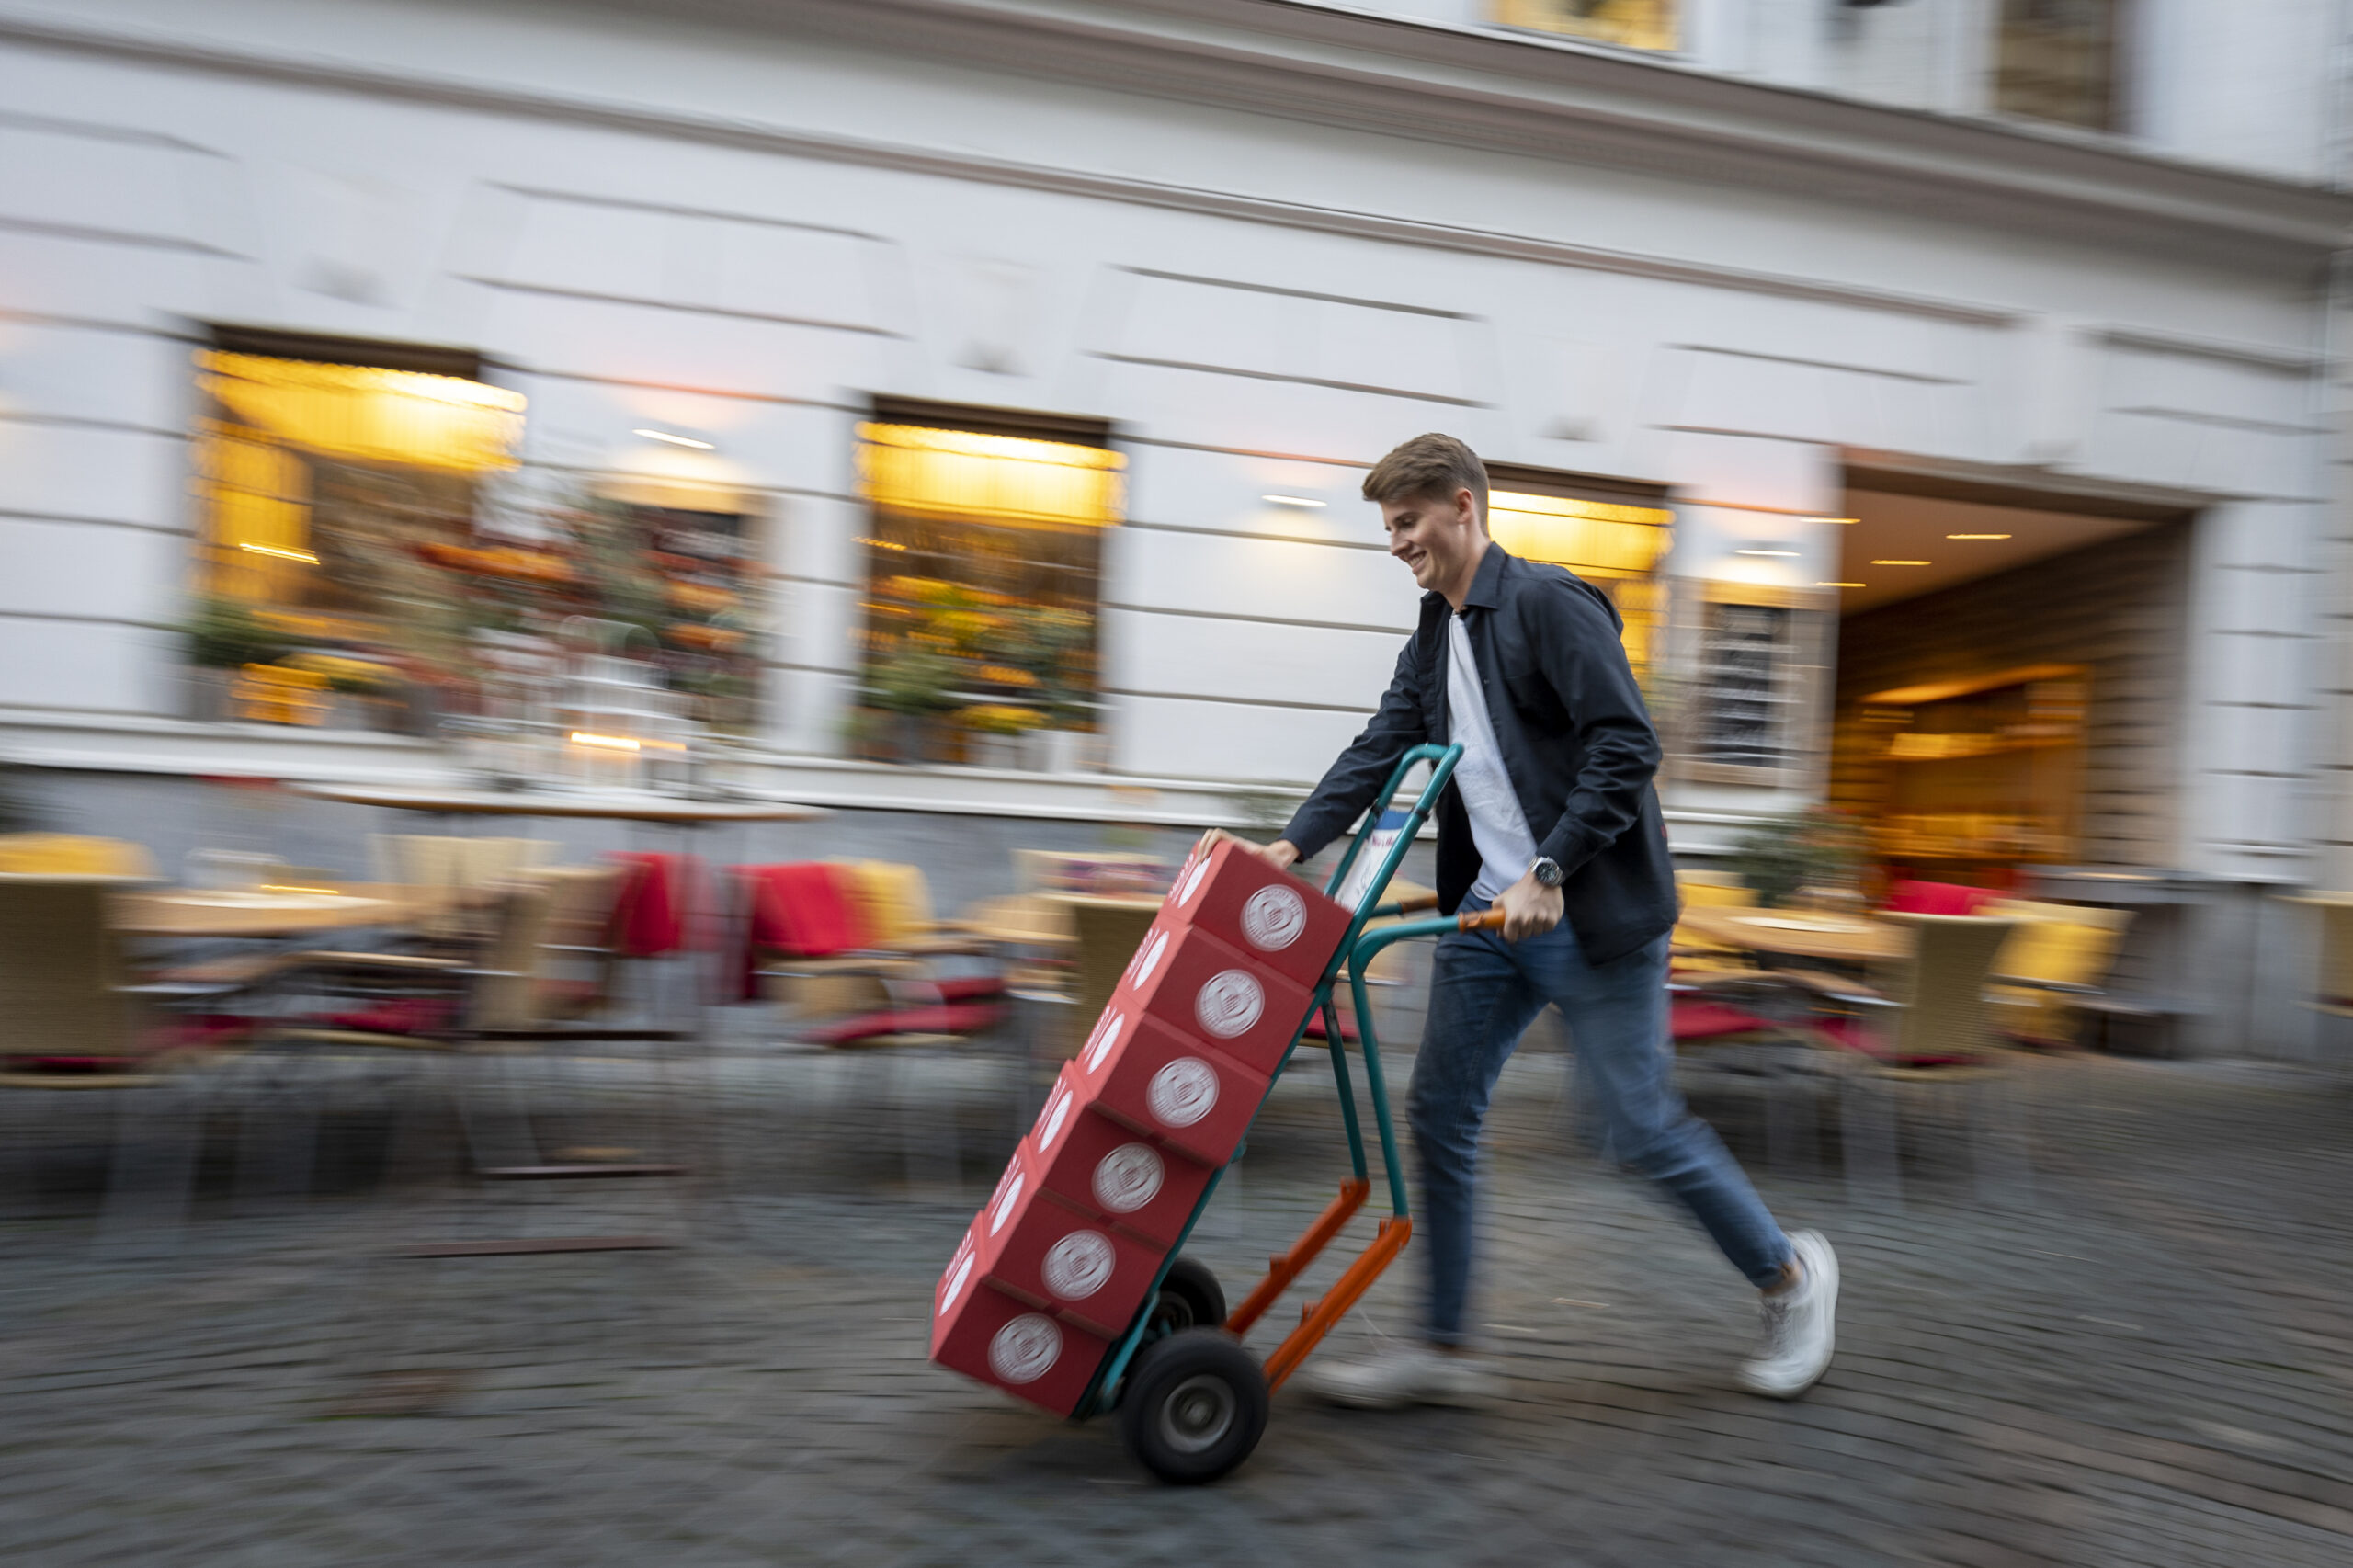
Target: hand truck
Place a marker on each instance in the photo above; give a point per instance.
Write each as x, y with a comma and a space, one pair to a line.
1192, 1401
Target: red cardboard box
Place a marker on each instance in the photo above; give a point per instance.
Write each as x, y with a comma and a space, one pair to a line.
1079, 1154
978, 1330
1261, 912
1146, 1075
1189, 981
1041, 1249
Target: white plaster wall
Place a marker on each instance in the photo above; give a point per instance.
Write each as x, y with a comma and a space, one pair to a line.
760, 293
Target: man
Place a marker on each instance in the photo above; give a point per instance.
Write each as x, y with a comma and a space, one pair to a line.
1551, 813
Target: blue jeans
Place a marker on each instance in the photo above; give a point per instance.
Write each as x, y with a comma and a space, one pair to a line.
1484, 991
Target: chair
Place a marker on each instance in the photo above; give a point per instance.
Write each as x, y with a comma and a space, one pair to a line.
1697, 954
459, 865
73, 854
1925, 1034
813, 943
71, 1020
1936, 898
2054, 962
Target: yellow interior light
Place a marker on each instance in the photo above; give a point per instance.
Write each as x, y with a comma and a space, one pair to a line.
1903, 563
962, 473
607, 742
1609, 543
304, 556
368, 413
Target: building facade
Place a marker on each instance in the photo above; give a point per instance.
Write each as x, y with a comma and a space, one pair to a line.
1944, 389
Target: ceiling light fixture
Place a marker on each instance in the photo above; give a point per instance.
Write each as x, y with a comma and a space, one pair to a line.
1308, 501
1977, 536
677, 440
1903, 563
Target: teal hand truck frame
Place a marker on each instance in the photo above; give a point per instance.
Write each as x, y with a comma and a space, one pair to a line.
1192, 1401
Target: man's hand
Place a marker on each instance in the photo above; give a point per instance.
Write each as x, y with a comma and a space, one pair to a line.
1283, 854
1529, 908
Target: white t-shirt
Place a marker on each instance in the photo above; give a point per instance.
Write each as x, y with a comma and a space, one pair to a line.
1497, 824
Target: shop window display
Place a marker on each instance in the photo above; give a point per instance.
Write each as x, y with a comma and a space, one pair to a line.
985, 553
368, 557
1630, 24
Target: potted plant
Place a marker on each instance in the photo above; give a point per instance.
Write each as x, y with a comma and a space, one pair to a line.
1051, 649
224, 636
995, 732
912, 684
1817, 853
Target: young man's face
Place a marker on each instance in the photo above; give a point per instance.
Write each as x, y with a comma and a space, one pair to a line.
1437, 537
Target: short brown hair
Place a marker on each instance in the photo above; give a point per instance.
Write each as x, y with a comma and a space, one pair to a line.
1428, 465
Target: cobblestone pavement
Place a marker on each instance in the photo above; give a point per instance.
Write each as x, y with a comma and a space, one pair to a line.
2148, 1364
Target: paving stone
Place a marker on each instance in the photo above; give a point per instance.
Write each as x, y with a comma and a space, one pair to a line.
2149, 1365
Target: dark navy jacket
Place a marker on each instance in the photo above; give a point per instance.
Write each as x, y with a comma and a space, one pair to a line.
1576, 738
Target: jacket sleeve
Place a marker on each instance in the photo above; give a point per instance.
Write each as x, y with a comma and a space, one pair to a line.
1350, 783
1576, 637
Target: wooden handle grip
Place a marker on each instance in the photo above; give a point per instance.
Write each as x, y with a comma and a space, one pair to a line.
1484, 920
1413, 902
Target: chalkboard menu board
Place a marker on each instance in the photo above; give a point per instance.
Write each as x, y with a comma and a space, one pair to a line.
1745, 698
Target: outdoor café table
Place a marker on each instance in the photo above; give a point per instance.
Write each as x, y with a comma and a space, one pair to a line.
678, 811
1795, 933
623, 805
267, 912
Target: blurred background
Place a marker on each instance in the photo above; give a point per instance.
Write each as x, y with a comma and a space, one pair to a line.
614, 615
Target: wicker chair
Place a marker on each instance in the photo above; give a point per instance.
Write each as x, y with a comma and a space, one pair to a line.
72, 1021
1923, 1039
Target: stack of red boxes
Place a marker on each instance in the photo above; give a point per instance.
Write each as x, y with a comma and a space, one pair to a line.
1054, 1267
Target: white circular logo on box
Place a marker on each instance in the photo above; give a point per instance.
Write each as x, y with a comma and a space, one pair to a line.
1106, 1035
1051, 1127
1024, 1347
1128, 1177
956, 1282
1230, 1003
1079, 1265
1183, 1092
1193, 883
1007, 1195
1274, 917
1150, 958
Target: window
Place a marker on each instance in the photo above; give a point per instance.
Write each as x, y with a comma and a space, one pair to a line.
1612, 535
984, 556
370, 557
327, 474
1756, 654
1630, 24
2057, 60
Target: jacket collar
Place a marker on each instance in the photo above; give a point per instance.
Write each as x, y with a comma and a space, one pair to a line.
1487, 587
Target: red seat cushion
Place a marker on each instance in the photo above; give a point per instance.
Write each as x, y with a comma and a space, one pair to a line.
407, 1015
1709, 1020
1936, 898
965, 1017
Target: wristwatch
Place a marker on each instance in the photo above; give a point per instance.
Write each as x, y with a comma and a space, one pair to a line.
1546, 871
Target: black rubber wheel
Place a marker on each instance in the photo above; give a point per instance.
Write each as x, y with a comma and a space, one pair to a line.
1194, 1407
1189, 1298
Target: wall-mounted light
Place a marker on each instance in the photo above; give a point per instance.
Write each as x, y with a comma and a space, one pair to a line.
1840, 521
1903, 563
677, 440
1977, 536
304, 556
1842, 584
1786, 554
1306, 501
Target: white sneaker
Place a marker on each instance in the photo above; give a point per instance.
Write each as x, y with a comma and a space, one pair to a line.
1411, 1374
1801, 1325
